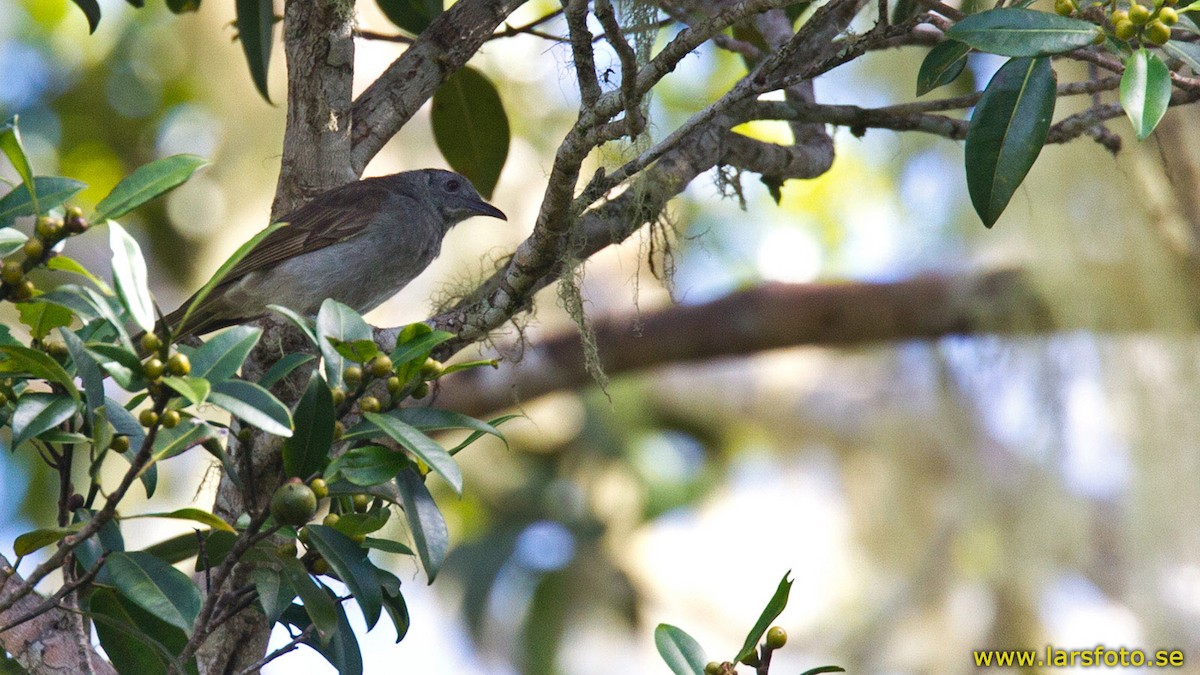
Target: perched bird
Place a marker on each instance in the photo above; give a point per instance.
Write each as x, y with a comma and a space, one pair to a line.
358, 244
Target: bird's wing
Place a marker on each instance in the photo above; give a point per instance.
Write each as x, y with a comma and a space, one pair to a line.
326, 220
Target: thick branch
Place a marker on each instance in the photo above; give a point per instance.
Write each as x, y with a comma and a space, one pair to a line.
774, 316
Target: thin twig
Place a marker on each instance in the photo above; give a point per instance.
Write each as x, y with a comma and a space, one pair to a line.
52, 601
304, 636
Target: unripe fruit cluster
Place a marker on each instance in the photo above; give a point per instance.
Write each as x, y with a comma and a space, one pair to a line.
1154, 25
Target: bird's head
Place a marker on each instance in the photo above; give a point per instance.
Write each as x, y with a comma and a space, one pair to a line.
457, 198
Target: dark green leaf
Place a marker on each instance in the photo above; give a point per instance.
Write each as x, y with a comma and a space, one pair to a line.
107, 540
194, 389
91, 9
774, 606
11, 241
23, 360
31, 541
10, 144
342, 651
221, 357
428, 527
254, 405
193, 514
89, 305
129, 276
417, 349
43, 317
222, 271
63, 263
359, 351
368, 465
434, 419
283, 367
255, 24
397, 609
319, 606
36, 413
217, 545
1188, 52
681, 652
135, 640
156, 587
942, 65
350, 562
88, 371
387, 545
338, 321
306, 451
1145, 91
126, 425
120, 363
1023, 32
354, 524
420, 445
273, 594
412, 16
1007, 132
471, 128
182, 6
52, 191
178, 548
821, 670
147, 182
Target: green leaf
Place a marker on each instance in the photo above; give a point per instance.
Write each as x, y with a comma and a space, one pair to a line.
434, 419
1007, 132
416, 350
194, 389
367, 465
682, 653
37, 412
120, 363
43, 317
319, 606
273, 595
89, 305
91, 10
420, 445
350, 562
471, 128
62, 263
193, 514
177, 548
126, 425
10, 144
11, 241
1145, 91
1023, 32
222, 271
412, 16
821, 670
1188, 52
31, 541
254, 405
942, 65
428, 527
306, 451
135, 640
359, 351
300, 322
354, 524
387, 545
283, 367
15, 359
221, 357
479, 434
156, 587
394, 603
146, 183
174, 442
52, 191
129, 276
88, 371
774, 606
335, 320
255, 24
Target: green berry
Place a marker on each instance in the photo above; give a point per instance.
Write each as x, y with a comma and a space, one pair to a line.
76, 223
339, 396
57, 349
431, 369
331, 520
151, 342
319, 487
148, 418
319, 566
353, 376
153, 368
179, 364
1168, 16
361, 502
171, 419
339, 430
369, 404
293, 504
776, 637
48, 228
1157, 33
713, 668
287, 550
393, 385
119, 444
421, 391
12, 273
1138, 14
1064, 7
1125, 30
380, 366
24, 290
1119, 16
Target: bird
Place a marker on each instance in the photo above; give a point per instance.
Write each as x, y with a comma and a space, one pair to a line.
359, 244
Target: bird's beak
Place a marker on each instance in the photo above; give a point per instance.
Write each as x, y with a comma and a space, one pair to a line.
484, 209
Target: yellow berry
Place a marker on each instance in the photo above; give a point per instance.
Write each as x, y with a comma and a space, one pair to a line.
153, 368
1119, 16
151, 342
1168, 16
171, 419
331, 520
1064, 7
353, 376
179, 364
369, 404
1125, 30
148, 418
393, 385
1157, 33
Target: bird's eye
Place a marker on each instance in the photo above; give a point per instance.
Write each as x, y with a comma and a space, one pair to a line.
452, 185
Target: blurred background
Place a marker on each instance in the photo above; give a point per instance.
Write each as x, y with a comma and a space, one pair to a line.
929, 498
